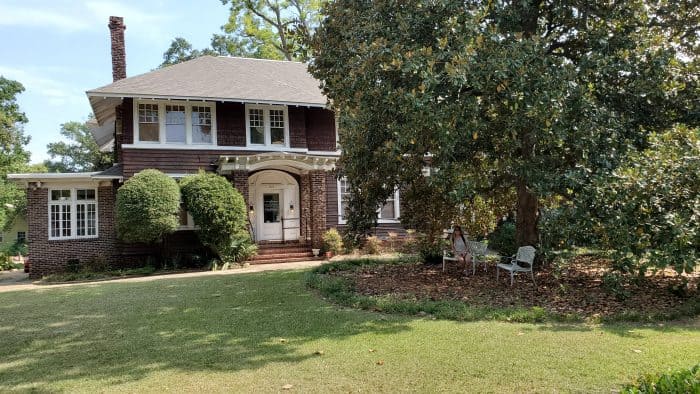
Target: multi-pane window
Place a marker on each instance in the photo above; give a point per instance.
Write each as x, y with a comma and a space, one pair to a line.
277, 127
389, 211
175, 129
267, 125
149, 123
201, 125
21, 236
175, 122
72, 213
256, 123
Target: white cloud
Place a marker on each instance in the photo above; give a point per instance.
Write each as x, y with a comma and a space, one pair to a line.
56, 93
147, 24
18, 15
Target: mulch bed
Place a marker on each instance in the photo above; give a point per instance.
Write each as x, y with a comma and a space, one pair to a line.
574, 290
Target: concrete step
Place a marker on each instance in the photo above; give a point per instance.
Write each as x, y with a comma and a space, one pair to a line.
283, 260
264, 251
276, 256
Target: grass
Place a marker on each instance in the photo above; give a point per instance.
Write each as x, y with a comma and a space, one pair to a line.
260, 332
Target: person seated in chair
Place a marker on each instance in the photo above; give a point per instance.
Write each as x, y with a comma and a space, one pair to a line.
459, 246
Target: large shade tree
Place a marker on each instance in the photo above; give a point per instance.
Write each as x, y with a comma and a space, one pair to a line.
14, 156
79, 152
534, 95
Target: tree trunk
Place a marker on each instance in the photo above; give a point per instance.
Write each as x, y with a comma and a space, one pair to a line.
527, 217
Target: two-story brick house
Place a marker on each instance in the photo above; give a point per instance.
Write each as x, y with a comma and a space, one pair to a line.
262, 124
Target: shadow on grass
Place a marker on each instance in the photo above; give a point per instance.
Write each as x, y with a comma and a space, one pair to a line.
116, 333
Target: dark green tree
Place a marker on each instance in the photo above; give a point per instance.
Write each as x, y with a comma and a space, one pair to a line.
81, 152
531, 95
148, 205
220, 213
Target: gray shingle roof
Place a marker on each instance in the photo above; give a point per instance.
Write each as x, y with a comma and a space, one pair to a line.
224, 78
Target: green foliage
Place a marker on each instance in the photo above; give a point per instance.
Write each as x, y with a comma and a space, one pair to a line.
17, 248
501, 94
431, 250
373, 245
80, 154
181, 50
680, 382
276, 29
13, 154
502, 239
648, 209
332, 241
147, 207
219, 211
5, 261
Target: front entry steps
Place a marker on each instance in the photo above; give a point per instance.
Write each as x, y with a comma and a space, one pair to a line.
278, 252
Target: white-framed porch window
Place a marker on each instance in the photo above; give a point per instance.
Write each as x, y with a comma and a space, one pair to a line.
389, 212
174, 122
267, 125
72, 213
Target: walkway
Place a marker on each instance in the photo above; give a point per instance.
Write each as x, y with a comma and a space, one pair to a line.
18, 280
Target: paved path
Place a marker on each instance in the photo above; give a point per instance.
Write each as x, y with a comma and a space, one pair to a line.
17, 280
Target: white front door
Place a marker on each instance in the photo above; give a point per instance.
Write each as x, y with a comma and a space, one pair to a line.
271, 220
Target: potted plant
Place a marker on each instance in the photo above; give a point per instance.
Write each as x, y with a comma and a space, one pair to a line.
332, 242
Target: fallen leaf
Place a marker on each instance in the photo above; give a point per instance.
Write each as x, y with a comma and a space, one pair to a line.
283, 340
319, 352
636, 350
372, 350
287, 386
380, 362
521, 333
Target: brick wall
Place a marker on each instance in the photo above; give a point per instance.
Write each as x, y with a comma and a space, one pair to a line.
317, 181
239, 178
51, 256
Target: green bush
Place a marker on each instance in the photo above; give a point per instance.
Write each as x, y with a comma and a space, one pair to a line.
681, 382
5, 261
502, 239
147, 207
219, 210
332, 241
373, 245
17, 248
431, 251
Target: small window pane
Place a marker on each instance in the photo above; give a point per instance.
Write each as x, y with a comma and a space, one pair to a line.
175, 123
148, 122
277, 127
271, 208
201, 125
21, 236
257, 126
86, 194
60, 195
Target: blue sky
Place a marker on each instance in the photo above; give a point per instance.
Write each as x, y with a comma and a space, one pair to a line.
59, 49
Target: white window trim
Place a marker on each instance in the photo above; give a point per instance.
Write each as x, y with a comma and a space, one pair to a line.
397, 207
266, 124
74, 213
188, 123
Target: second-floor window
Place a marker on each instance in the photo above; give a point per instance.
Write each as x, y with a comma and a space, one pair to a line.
171, 122
267, 125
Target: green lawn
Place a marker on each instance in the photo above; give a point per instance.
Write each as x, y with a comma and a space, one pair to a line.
260, 332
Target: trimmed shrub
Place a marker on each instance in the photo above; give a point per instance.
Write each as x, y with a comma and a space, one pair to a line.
147, 207
219, 211
683, 381
373, 245
431, 251
332, 241
502, 239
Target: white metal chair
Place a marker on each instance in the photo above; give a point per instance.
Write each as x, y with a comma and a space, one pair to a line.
447, 256
478, 252
521, 262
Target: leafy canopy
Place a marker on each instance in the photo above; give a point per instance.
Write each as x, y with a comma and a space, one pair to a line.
81, 153
147, 207
14, 156
535, 95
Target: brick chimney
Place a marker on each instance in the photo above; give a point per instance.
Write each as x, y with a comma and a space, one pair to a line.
116, 29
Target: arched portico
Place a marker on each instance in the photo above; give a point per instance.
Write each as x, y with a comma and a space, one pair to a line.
285, 193
274, 196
